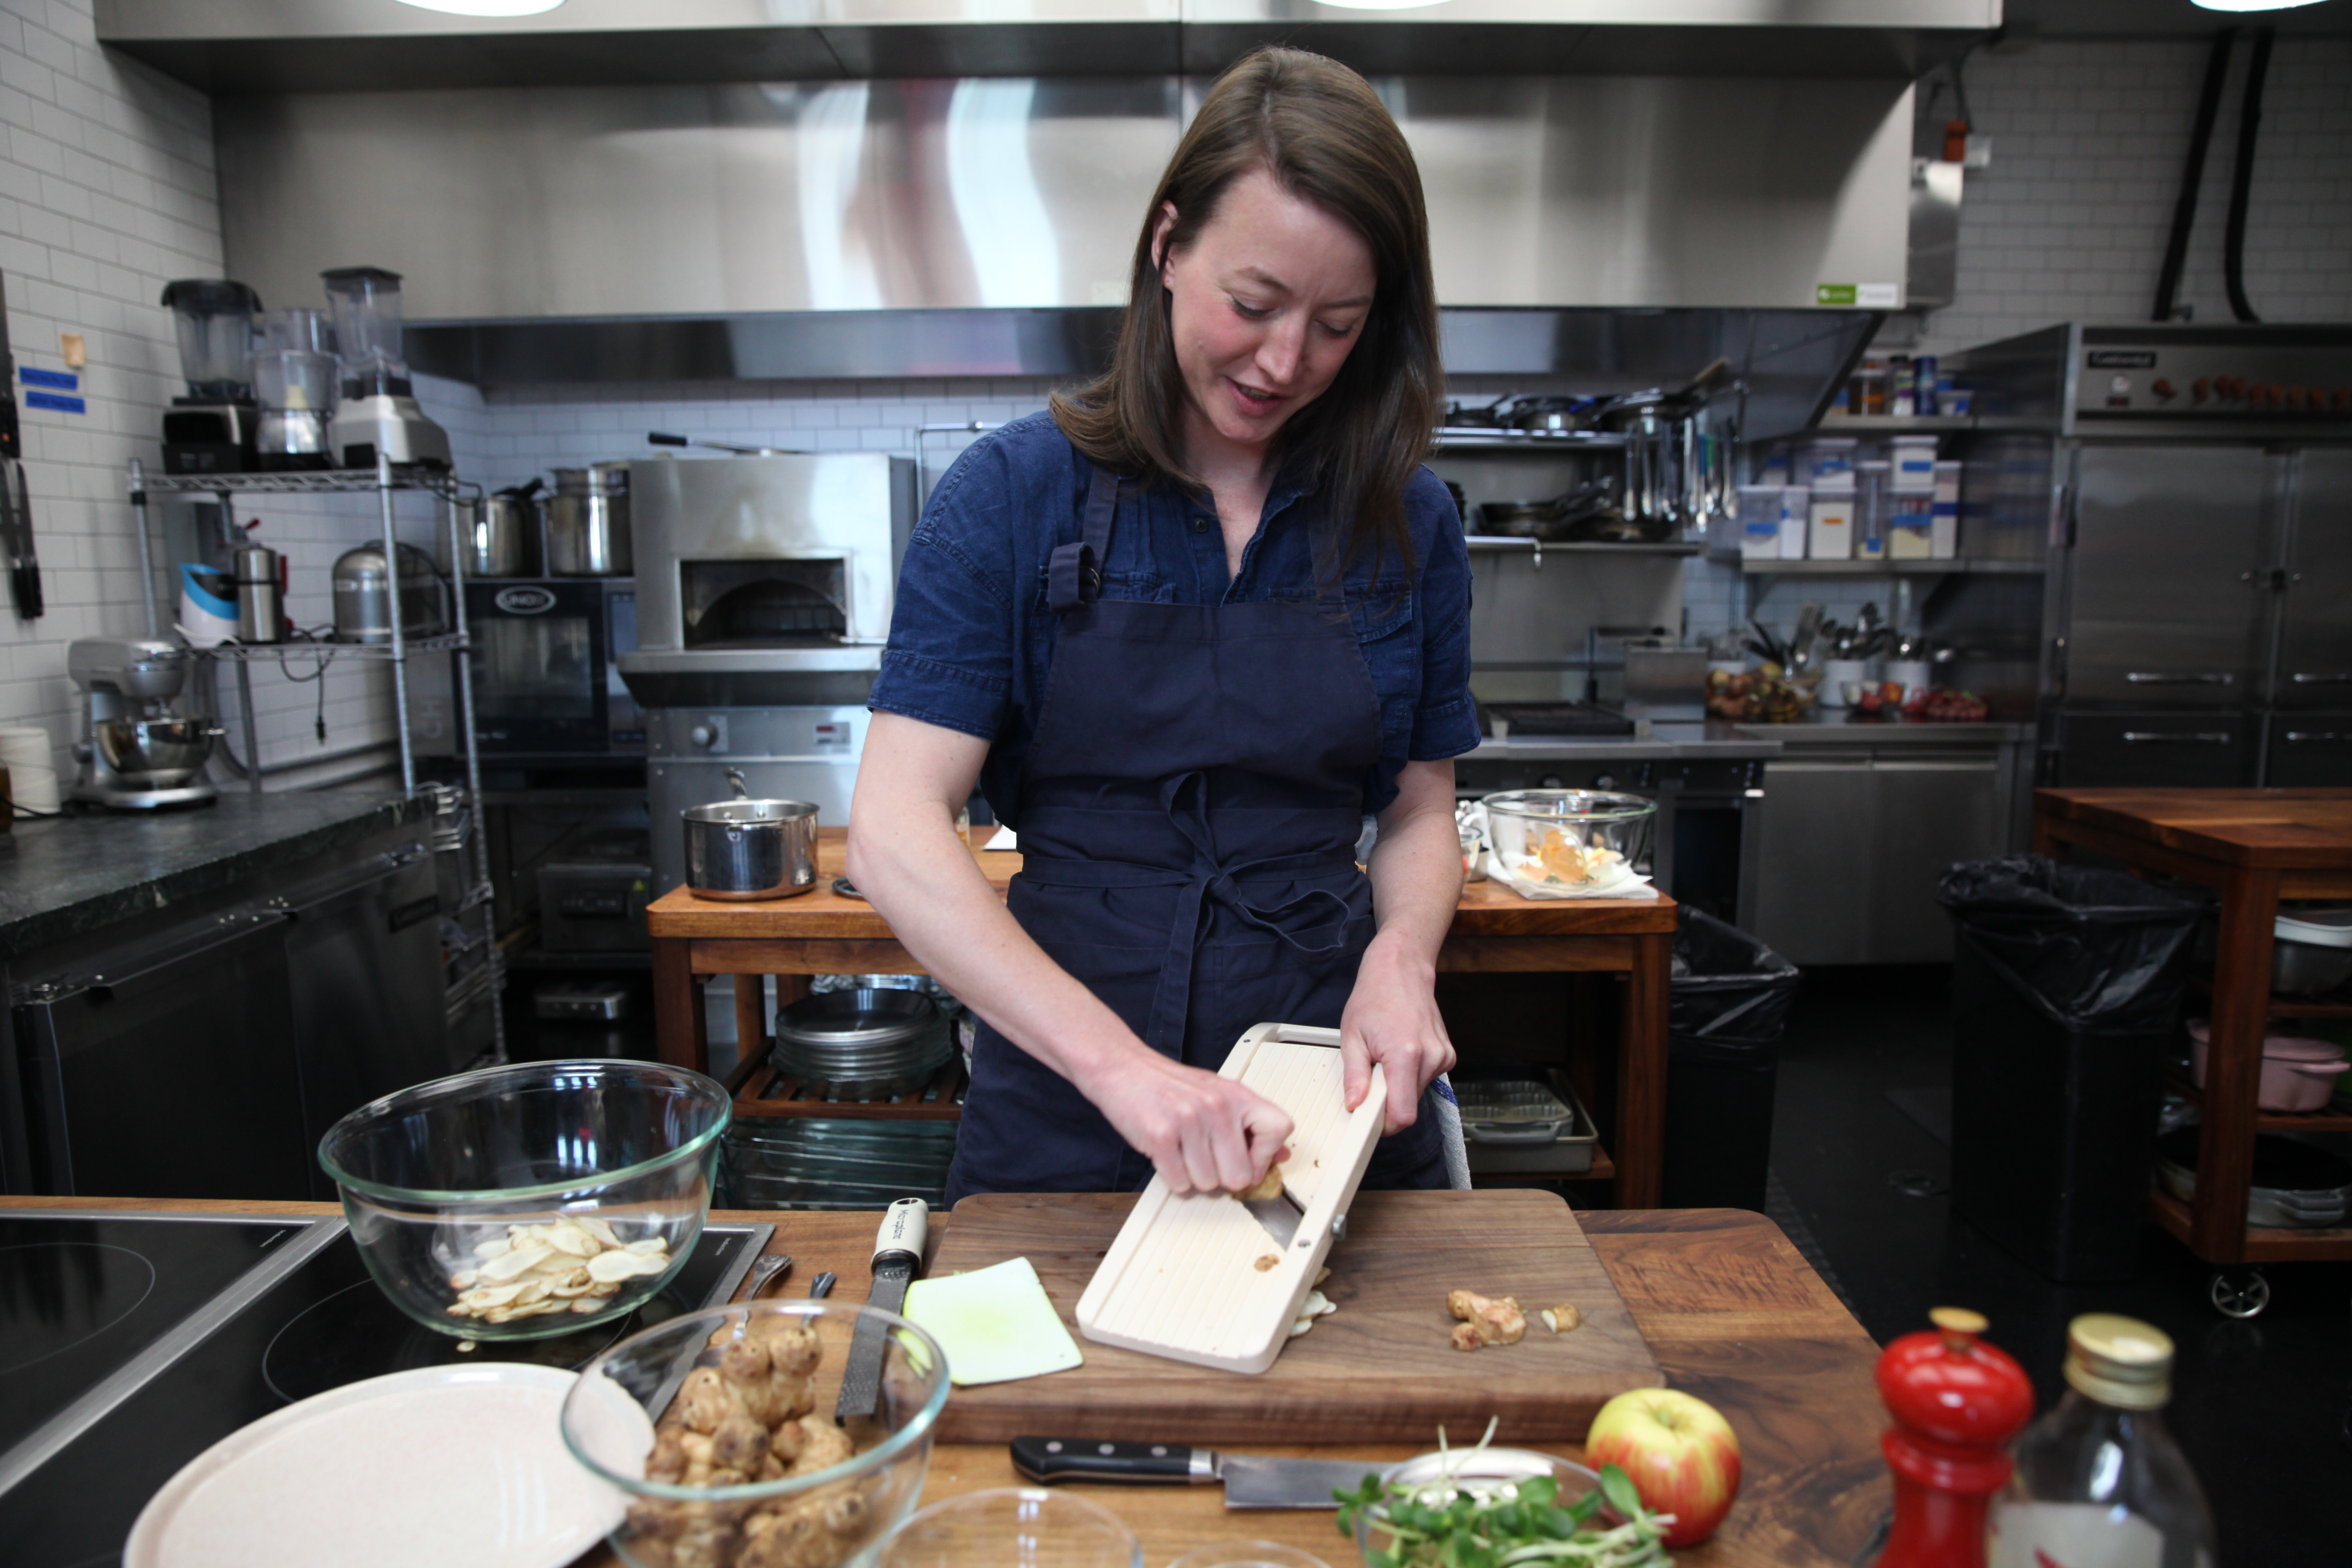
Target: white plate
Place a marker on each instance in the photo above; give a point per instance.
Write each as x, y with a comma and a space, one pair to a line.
441, 1465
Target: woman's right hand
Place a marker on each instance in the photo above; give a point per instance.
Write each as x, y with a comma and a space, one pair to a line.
1201, 1131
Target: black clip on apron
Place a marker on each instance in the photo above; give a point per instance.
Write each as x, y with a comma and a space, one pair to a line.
1190, 811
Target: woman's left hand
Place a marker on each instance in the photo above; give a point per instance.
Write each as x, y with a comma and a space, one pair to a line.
1392, 1018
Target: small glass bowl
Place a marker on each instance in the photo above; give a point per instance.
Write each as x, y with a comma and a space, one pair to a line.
435, 1177
1013, 1527
1566, 836
1249, 1555
1474, 1470
610, 1416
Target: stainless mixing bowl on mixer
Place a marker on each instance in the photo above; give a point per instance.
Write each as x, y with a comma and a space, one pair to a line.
157, 753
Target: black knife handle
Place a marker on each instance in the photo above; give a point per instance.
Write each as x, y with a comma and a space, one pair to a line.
1047, 1460
28, 592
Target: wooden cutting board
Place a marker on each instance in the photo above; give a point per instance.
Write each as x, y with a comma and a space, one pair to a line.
1379, 1370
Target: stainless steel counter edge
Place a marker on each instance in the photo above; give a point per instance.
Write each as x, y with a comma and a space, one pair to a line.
1666, 743
1886, 732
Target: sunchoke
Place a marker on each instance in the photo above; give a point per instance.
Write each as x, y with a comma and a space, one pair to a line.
1496, 1322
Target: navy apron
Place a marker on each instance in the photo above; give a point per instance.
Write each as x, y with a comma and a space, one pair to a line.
1190, 810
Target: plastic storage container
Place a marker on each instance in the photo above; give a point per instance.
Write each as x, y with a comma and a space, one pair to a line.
2066, 986
2312, 952
2297, 1074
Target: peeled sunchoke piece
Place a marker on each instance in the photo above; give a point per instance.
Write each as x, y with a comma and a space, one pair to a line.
1561, 1319
1497, 1322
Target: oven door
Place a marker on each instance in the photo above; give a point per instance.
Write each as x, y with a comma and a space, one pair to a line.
541, 659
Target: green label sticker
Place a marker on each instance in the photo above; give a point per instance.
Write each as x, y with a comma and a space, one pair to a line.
1833, 293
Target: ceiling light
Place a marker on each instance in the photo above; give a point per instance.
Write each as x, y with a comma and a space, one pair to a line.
486, 7
1381, 5
2248, 4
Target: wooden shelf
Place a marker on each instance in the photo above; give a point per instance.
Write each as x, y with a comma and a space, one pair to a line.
2271, 1121
761, 1089
2286, 1006
2263, 1244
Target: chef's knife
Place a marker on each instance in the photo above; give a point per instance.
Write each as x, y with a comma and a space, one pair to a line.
1251, 1481
897, 1259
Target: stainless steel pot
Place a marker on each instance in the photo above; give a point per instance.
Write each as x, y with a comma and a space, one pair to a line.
588, 522
364, 604
501, 533
862, 1043
742, 849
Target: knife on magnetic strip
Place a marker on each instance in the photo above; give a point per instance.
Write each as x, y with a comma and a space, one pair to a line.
897, 1259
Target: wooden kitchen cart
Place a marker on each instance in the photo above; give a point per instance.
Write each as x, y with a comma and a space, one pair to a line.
1495, 931
2255, 847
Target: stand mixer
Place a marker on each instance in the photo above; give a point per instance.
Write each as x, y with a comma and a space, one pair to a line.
136, 753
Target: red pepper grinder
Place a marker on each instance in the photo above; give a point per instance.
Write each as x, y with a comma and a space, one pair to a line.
1956, 1401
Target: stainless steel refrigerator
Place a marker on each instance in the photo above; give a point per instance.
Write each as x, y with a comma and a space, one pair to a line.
2194, 488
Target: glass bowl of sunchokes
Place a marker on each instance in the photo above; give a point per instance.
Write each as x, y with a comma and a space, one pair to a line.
721, 1429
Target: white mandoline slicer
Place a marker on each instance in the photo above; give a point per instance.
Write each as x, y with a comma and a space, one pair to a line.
1182, 1278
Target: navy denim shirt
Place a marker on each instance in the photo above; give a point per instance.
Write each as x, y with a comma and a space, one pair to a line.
971, 638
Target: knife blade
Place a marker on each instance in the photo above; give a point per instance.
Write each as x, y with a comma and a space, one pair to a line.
1251, 1481
897, 1259
1279, 1214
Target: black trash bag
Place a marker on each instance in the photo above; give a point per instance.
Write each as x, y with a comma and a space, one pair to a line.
1730, 993
2094, 950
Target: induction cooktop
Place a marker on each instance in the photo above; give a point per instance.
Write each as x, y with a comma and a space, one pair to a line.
132, 1342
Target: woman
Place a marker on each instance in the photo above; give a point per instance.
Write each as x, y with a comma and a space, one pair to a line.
1185, 631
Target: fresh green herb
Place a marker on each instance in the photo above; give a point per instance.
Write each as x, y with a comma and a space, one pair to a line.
1469, 1524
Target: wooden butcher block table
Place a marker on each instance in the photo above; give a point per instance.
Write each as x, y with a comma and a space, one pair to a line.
1495, 931
1730, 1311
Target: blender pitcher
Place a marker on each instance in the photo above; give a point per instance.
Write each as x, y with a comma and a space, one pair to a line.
211, 430
294, 373
378, 416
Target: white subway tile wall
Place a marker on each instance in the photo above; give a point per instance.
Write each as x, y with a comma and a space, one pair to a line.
2089, 138
107, 191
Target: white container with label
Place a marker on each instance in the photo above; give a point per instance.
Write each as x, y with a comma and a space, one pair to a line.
1831, 536
1943, 538
1759, 522
1948, 482
1913, 460
1796, 520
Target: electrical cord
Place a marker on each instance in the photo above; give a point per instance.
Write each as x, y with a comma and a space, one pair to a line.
2192, 175
2250, 124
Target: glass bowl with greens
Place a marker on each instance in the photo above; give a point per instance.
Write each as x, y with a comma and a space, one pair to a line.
1501, 1507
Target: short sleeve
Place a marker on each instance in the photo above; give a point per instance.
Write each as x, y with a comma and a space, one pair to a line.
952, 649
1445, 720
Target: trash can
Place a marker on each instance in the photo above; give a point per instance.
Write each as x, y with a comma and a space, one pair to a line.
1728, 998
2066, 987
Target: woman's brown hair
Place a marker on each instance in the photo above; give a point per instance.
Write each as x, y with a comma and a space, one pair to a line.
1325, 136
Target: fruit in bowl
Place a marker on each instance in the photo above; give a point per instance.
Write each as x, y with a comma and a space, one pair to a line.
529, 1200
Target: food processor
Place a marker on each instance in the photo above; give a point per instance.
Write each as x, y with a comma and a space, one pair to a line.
136, 753
294, 372
378, 413
212, 430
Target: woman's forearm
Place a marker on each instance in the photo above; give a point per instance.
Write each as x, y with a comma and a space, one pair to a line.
1416, 868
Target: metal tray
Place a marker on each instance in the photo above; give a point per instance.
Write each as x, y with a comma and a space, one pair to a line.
1526, 1126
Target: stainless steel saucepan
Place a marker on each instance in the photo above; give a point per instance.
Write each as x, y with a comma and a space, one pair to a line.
742, 849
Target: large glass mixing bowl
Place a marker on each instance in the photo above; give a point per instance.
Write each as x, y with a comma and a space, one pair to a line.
529, 1200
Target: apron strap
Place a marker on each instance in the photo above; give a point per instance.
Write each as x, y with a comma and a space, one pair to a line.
1074, 571
1185, 796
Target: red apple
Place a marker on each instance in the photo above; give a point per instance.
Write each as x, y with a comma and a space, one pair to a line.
1680, 1453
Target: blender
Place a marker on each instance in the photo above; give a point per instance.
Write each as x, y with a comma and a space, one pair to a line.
294, 372
378, 413
212, 430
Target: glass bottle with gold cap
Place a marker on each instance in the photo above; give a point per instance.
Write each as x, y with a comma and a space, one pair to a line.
2099, 1482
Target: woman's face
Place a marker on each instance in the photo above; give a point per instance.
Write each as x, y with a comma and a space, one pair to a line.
1263, 306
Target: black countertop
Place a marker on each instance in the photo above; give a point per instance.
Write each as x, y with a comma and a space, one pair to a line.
73, 875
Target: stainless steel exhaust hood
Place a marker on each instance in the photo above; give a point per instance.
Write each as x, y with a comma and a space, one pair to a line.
312, 46
1012, 194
